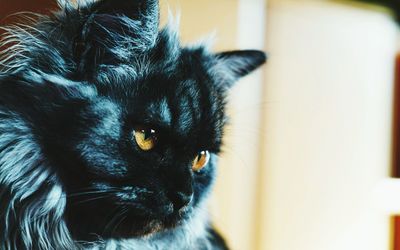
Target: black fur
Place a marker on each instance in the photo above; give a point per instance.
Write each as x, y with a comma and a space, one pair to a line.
73, 86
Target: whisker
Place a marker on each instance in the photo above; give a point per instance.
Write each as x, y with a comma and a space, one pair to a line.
78, 194
92, 199
121, 220
91, 192
113, 217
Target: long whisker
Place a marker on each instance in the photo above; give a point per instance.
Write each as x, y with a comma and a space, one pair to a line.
91, 192
114, 218
121, 215
92, 199
81, 194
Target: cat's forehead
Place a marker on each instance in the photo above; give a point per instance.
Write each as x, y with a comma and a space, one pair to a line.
168, 85
165, 58
181, 105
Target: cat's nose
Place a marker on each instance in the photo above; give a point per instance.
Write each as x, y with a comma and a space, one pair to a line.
181, 199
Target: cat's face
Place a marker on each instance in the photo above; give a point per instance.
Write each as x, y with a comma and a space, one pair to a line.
130, 120
138, 156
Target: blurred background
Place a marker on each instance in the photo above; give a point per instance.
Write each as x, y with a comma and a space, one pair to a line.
311, 155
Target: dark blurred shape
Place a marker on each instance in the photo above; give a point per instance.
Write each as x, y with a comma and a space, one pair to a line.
393, 4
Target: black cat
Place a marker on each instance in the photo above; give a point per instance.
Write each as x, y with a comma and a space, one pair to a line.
109, 130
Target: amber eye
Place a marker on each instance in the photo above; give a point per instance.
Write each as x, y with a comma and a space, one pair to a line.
145, 138
201, 160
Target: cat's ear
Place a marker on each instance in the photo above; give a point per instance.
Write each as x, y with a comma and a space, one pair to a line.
140, 10
114, 31
233, 65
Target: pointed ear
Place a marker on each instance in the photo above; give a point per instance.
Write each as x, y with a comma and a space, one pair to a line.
236, 64
135, 9
145, 14
114, 30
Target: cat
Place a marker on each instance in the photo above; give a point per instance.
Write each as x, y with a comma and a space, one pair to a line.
110, 130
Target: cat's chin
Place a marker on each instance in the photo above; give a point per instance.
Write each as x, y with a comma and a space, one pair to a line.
149, 228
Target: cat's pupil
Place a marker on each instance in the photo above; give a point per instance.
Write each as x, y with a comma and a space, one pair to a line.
148, 133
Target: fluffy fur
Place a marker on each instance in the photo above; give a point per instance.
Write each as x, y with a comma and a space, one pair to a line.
73, 86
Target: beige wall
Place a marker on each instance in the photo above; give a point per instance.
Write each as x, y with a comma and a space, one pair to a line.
327, 126
199, 19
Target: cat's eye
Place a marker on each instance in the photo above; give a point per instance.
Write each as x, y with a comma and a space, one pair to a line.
201, 160
146, 138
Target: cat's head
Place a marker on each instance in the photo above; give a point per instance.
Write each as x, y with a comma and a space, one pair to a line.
128, 118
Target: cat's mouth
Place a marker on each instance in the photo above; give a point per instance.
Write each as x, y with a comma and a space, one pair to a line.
134, 226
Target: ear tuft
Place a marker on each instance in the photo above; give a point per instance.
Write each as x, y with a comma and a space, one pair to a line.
135, 9
239, 63
113, 31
